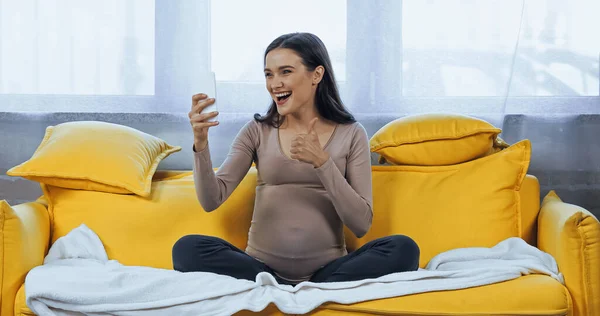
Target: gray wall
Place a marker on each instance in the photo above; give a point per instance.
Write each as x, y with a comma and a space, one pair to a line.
565, 157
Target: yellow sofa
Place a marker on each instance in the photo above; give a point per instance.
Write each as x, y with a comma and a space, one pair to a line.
478, 202
563, 230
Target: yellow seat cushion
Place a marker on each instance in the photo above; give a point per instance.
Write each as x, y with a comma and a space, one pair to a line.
142, 231
473, 204
435, 139
528, 295
98, 156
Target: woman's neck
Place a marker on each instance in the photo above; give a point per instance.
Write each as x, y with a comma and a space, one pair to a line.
299, 121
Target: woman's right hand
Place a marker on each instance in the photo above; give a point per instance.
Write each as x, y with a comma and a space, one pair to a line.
198, 120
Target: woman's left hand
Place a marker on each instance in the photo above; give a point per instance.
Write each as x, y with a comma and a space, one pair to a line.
307, 148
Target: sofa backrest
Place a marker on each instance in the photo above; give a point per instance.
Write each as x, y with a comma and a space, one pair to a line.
530, 206
142, 231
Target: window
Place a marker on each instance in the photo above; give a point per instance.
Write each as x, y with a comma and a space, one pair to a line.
77, 47
241, 30
470, 48
405, 56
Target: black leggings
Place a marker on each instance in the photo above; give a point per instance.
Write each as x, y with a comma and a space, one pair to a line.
390, 254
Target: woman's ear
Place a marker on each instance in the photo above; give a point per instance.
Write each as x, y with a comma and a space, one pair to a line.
318, 75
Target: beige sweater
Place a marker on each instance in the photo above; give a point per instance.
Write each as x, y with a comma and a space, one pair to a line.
299, 211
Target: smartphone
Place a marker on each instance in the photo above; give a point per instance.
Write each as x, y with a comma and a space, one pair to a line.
209, 88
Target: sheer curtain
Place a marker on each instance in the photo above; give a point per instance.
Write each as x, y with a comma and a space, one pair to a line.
396, 56
473, 56
75, 47
530, 67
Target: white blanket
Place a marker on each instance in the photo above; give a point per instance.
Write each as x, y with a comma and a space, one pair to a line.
77, 278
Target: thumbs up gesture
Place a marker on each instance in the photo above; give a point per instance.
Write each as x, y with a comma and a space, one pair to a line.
307, 148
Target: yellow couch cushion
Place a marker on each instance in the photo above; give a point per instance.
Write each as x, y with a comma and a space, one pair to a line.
537, 295
473, 204
527, 295
435, 139
97, 156
443, 207
24, 233
141, 231
529, 196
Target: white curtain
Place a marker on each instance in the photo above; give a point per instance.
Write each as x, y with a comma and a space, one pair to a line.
396, 56
75, 47
473, 56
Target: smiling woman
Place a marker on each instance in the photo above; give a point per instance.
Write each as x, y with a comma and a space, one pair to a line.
314, 172
297, 66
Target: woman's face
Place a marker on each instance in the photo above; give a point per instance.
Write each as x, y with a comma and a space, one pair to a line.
290, 84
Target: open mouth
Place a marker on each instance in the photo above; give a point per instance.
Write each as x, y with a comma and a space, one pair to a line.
281, 97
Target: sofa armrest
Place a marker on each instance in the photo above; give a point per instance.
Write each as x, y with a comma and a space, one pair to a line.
571, 235
24, 242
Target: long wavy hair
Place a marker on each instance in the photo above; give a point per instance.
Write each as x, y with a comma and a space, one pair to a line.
313, 53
